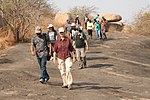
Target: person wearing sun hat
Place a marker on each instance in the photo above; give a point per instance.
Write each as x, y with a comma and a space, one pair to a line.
62, 49
52, 36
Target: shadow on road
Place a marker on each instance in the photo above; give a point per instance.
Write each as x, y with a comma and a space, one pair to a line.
100, 66
94, 52
4, 61
92, 86
97, 58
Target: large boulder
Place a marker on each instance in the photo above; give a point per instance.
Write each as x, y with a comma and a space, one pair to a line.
61, 17
115, 26
111, 17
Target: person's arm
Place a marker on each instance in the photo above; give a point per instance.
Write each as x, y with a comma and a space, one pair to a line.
86, 44
72, 51
54, 54
73, 43
73, 56
32, 48
50, 49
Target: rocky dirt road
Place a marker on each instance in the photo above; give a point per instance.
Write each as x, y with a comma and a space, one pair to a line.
118, 69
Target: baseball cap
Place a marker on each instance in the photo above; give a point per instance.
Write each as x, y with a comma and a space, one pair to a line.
61, 29
38, 29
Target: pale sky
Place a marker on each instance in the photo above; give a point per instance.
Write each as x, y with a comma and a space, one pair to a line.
126, 8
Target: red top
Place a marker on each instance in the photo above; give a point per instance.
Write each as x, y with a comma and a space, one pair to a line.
63, 48
103, 25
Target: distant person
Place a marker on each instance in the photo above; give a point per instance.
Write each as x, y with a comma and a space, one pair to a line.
98, 29
81, 45
86, 19
52, 36
64, 50
96, 17
90, 27
68, 29
72, 31
77, 20
103, 27
39, 48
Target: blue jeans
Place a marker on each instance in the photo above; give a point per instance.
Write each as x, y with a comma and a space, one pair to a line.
42, 62
98, 34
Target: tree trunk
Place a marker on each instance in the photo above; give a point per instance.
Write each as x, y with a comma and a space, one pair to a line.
16, 35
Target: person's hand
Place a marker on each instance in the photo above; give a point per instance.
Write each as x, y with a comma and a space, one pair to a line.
87, 48
54, 60
50, 53
33, 53
74, 59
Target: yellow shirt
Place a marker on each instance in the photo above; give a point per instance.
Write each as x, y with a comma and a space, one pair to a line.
90, 26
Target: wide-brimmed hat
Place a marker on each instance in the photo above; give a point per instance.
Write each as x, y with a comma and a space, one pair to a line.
61, 29
50, 26
38, 29
73, 24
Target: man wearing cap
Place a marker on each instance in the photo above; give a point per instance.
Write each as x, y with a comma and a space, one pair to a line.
81, 45
64, 50
39, 48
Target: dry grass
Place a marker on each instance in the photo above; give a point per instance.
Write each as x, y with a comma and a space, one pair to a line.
6, 38
141, 24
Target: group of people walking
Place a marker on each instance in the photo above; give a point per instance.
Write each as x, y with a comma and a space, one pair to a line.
100, 27
65, 48
62, 48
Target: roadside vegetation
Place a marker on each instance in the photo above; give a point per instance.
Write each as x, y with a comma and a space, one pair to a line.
19, 17
141, 23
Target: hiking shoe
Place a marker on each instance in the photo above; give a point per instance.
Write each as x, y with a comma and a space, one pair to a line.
80, 66
41, 80
64, 86
46, 80
69, 87
52, 58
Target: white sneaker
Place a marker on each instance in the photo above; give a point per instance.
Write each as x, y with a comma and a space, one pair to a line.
41, 80
52, 58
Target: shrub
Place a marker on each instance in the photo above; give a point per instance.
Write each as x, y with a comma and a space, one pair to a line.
141, 23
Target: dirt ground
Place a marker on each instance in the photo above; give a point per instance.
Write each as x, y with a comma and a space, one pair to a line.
118, 69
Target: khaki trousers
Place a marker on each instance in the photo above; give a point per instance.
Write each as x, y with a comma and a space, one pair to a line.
80, 52
65, 67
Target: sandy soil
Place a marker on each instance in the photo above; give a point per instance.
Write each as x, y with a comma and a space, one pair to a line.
118, 69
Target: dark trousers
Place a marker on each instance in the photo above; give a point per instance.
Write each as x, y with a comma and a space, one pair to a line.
42, 62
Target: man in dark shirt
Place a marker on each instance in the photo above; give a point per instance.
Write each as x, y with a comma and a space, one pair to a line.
62, 48
81, 44
39, 48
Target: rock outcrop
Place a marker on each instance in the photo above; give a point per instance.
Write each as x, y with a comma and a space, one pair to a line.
61, 17
111, 17
113, 20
